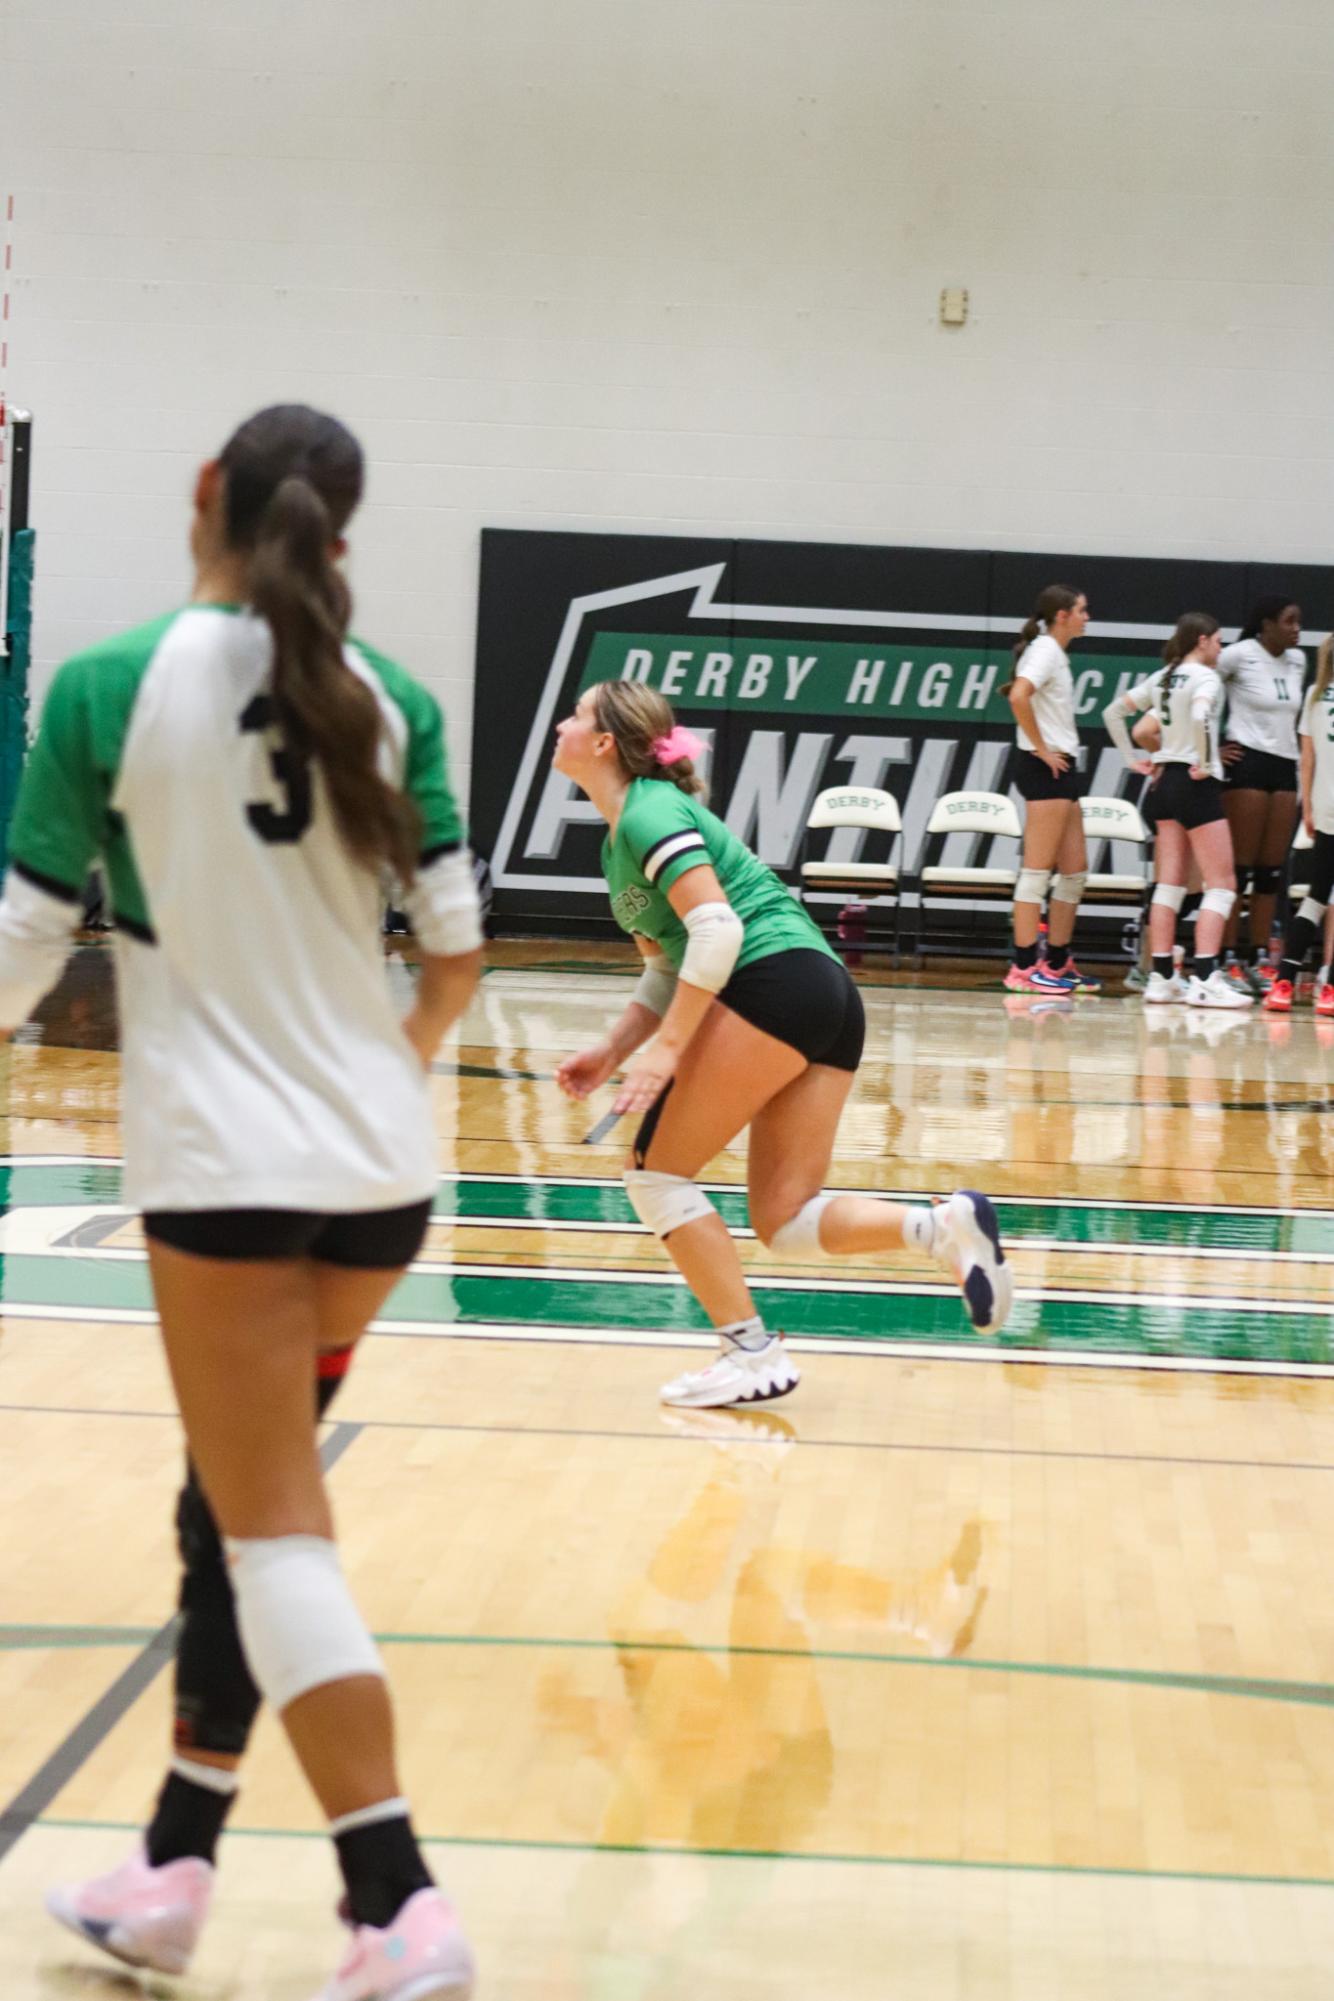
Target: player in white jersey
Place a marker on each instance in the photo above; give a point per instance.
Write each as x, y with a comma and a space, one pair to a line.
1263, 672
1317, 761
1048, 779
252, 778
1186, 695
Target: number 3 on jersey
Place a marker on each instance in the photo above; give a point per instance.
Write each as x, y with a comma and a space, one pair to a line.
291, 775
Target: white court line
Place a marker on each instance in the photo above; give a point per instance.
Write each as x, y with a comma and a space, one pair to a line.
634, 1337
726, 1187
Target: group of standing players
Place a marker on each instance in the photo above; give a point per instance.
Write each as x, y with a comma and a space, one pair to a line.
1233, 748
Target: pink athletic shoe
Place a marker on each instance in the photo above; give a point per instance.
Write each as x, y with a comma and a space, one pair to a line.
422, 1955
141, 1915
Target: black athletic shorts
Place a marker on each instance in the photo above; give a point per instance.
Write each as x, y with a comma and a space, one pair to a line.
1192, 802
1261, 771
364, 1240
806, 999
1035, 781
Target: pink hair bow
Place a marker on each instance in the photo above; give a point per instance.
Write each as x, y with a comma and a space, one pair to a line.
679, 742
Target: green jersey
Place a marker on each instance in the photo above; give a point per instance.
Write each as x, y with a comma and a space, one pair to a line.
661, 835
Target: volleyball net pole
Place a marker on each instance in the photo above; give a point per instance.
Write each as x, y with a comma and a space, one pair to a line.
6, 426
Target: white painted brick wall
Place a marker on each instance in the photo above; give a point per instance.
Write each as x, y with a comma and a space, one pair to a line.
612, 264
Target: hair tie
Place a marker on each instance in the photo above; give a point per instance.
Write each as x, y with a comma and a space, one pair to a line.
679, 742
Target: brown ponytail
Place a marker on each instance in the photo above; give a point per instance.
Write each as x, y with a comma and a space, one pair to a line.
638, 716
1056, 597
294, 477
1192, 627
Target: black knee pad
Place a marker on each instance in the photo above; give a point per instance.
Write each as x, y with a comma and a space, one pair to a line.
1244, 873
1265, 880
649, 1124
216, 1699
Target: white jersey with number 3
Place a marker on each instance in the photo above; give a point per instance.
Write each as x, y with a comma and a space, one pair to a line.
1264, 696
1318, 724
264, 1064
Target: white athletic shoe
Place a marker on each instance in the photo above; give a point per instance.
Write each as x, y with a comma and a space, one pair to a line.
142, 1916
737, 1376
968, 1245
1160, 990
1217, 991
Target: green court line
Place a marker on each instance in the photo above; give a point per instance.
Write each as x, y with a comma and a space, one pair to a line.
1256, 1688
481, 1199
459, 1298
825, 1856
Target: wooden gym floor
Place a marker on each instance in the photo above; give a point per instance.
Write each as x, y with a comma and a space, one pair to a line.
968, 1671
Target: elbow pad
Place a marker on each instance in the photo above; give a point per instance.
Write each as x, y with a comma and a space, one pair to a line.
713, 945
36, 932
443, 907
655, 986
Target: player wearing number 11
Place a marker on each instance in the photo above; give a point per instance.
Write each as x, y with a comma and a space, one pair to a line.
251, 777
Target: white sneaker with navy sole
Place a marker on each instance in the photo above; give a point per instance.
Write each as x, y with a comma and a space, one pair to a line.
737, 1376
968, 1244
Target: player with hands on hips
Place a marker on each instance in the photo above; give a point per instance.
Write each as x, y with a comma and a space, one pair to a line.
753, 1022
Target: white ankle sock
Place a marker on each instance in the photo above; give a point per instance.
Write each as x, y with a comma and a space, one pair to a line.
919, 1229
751, 1334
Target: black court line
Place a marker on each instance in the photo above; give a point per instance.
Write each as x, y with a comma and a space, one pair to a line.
664, 1437
43, 1788
602, 1128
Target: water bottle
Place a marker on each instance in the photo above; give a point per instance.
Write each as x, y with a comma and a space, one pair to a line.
852, 932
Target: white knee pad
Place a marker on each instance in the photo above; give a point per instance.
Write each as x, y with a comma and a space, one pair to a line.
1220, 901
799, 1237
1173, 894
663, 1202
1312, 911
299, 1627
1069, 888
1032, 885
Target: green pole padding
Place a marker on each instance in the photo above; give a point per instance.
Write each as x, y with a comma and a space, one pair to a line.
14, 680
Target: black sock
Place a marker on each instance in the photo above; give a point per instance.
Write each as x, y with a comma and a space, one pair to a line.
1025, 956
1205, 965
1164, 964
382, 1867
187, 1820
1058, 958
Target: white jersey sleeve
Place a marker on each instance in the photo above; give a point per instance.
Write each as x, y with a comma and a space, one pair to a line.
1131, 702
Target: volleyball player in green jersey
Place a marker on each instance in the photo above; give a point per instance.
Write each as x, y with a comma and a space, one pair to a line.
755, 1022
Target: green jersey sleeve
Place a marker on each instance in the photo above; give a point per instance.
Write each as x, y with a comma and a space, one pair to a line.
663, 834
60, 818
426, 763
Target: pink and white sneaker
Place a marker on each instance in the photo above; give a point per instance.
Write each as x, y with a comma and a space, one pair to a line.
421, 1956
140, 1915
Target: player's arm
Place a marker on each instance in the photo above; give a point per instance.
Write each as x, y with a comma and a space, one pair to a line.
580, 1074
1204, 721
1131, 702
1308, 780
1020, 697
713, 945
55, 836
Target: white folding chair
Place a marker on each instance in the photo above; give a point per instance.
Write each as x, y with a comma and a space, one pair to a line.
870, 811
1116, 820
985, 813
